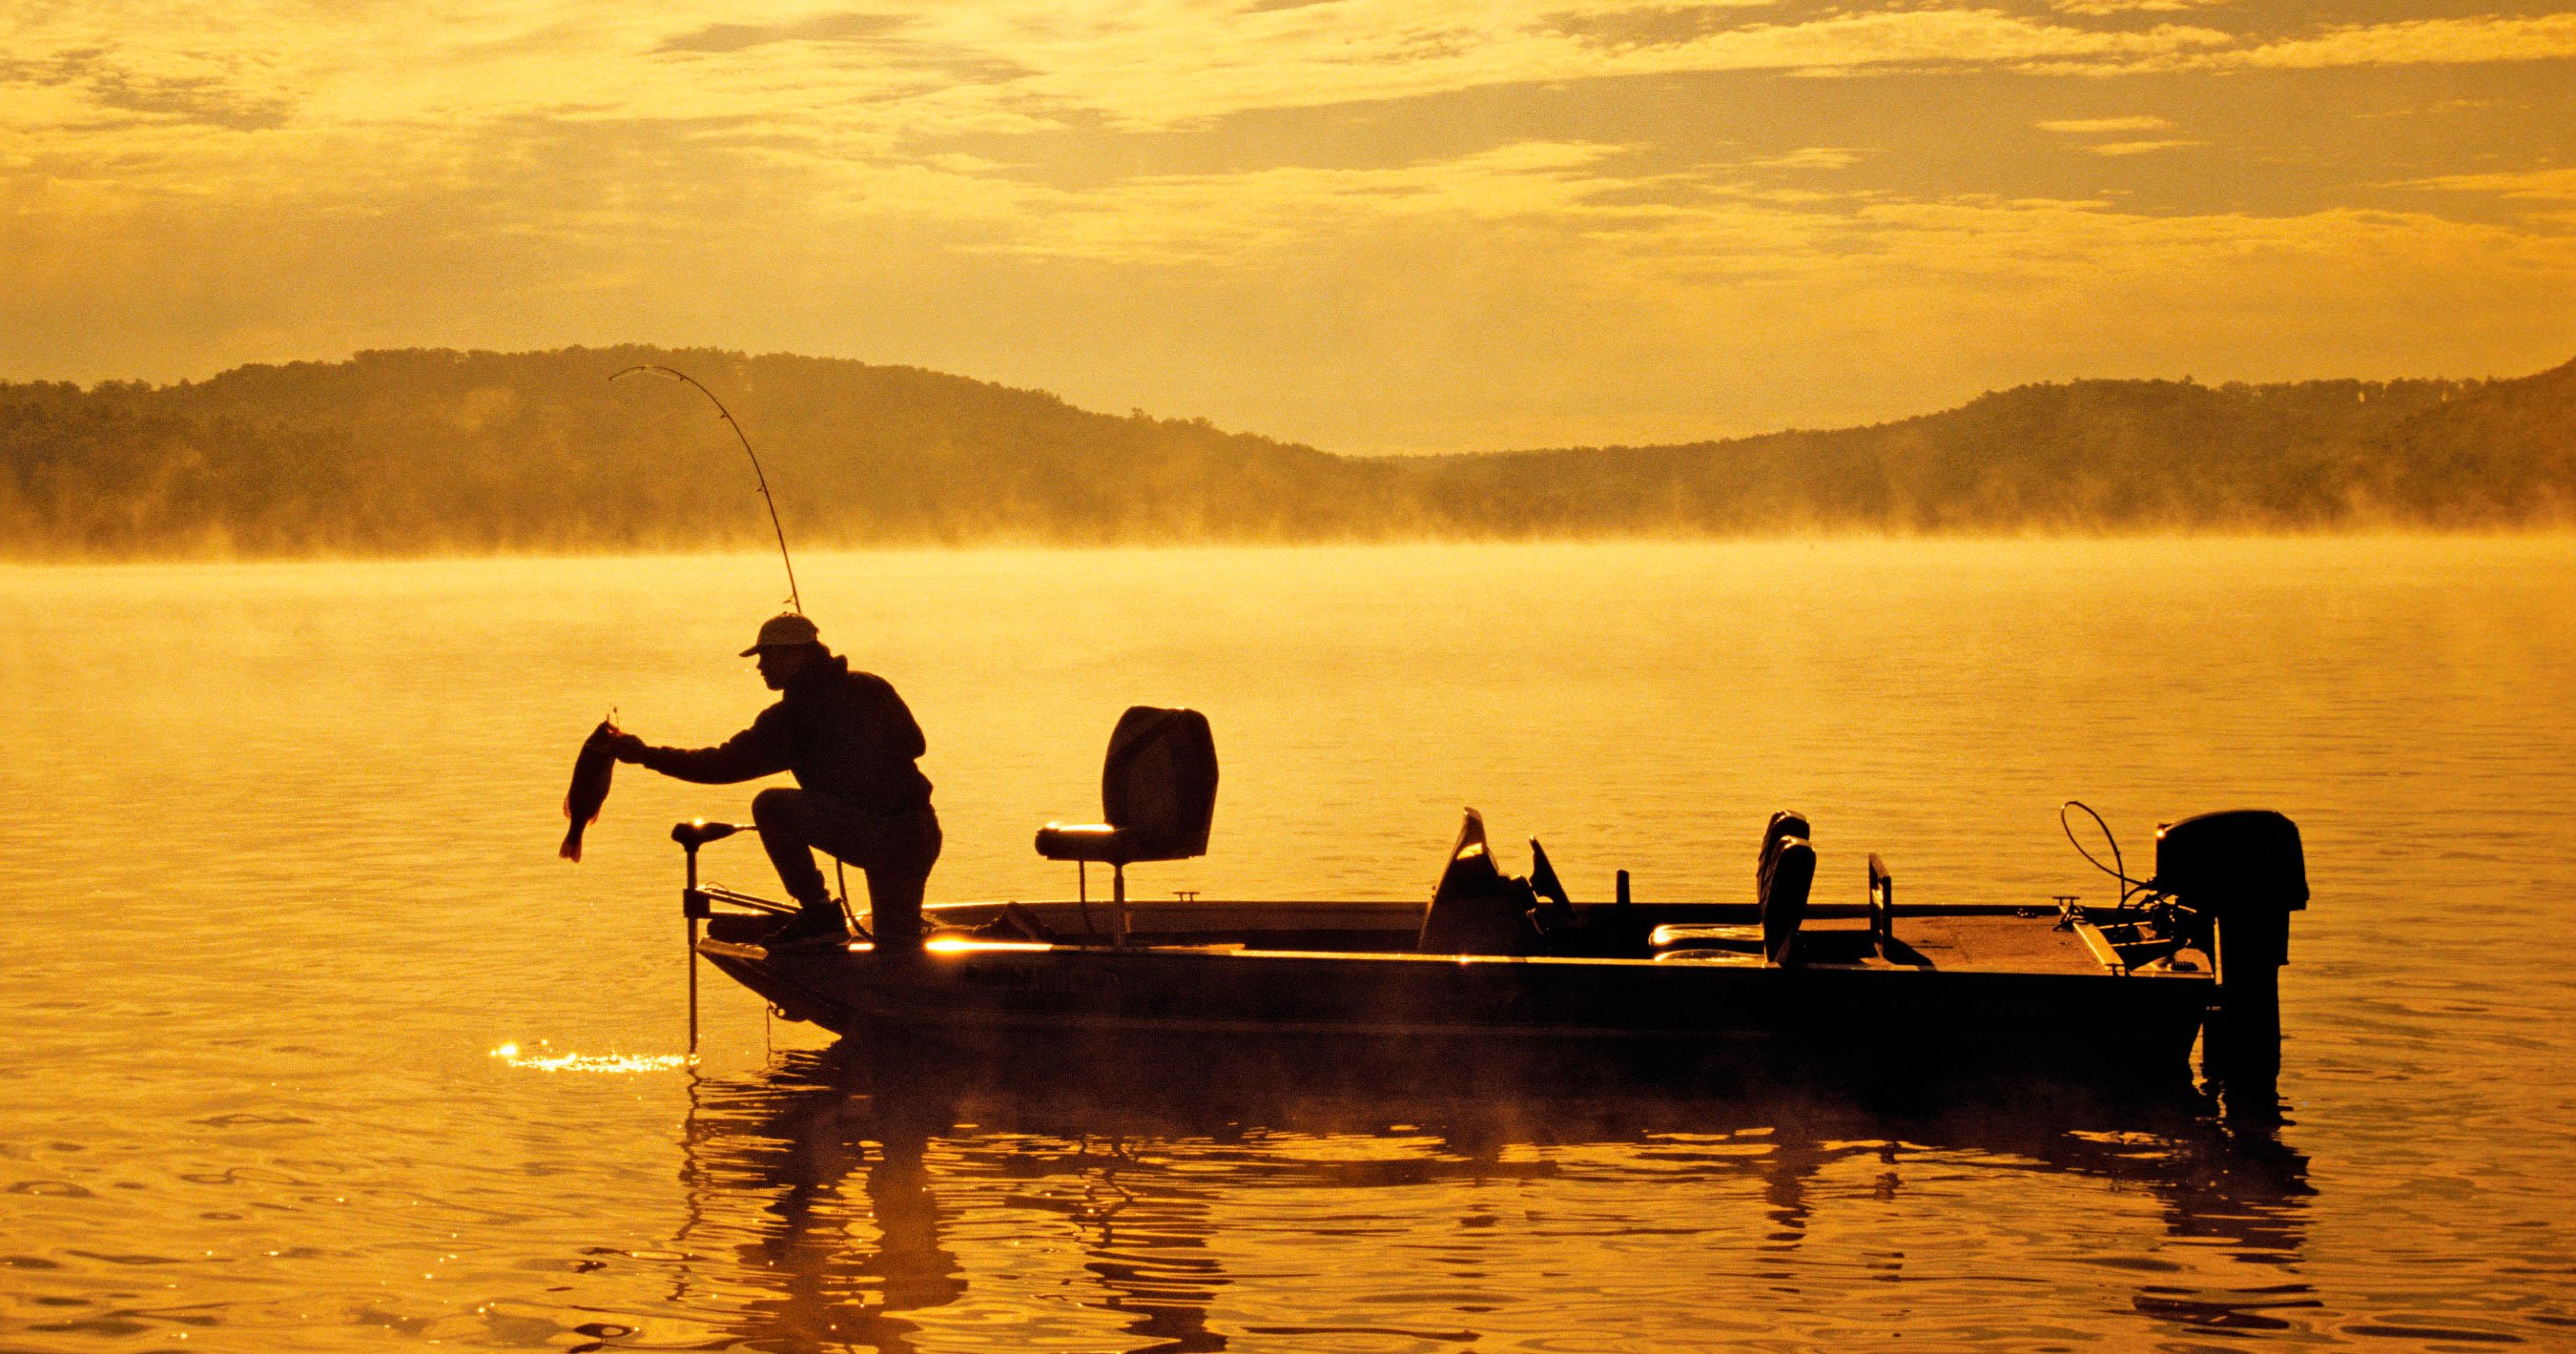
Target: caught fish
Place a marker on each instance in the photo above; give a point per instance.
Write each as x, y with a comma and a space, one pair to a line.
590, 775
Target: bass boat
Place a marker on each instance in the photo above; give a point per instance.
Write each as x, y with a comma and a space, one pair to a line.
1781, 982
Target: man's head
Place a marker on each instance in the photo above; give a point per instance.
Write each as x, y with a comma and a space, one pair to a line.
788, 643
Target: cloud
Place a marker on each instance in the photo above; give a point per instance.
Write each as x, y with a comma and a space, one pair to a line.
737, 37
2413, 42
171, 88
2543, 185
1434, 56
2099, 126
1187, 63
2107, 8
1653, 25
201, 99
2432, 109
896, 72
2140, 147
1807, 157
2090, 125
62, 68
903, 69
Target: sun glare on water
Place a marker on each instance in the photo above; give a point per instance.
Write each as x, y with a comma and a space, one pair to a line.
541, 1060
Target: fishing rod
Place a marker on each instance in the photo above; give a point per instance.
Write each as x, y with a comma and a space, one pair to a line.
794, 600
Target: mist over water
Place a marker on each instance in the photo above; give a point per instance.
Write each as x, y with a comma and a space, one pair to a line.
316, 1045
425, 451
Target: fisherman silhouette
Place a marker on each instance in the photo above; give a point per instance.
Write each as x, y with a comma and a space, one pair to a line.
851, 743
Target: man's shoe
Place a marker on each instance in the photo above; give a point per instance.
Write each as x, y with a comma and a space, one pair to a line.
809, 930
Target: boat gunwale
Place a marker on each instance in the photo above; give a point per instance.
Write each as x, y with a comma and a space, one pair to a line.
940, 949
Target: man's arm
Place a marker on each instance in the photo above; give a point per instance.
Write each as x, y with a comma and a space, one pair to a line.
755, 752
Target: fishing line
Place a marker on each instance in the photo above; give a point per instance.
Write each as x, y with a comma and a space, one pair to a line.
794, 600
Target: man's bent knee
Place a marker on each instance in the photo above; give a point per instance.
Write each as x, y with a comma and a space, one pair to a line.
774, 800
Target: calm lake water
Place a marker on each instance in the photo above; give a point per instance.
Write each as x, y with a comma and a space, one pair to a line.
313, 1044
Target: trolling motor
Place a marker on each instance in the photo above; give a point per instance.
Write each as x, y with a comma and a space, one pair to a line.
2237, 875
698, 902
694, 903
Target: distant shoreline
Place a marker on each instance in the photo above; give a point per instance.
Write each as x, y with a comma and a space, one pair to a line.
762, 555
437, 454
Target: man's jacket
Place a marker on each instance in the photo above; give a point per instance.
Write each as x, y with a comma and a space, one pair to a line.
844, 733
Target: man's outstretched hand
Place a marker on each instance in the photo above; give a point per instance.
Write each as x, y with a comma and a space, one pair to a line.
629, 748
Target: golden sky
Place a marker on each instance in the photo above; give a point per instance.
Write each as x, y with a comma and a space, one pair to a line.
1374, 225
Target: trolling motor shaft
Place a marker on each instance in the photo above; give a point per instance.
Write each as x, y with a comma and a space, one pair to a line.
694, 905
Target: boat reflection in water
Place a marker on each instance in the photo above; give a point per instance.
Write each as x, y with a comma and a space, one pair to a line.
1034, 1211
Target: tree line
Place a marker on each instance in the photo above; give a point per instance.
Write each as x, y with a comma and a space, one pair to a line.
418, 451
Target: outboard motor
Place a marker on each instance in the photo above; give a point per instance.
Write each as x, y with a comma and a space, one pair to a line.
2241, 873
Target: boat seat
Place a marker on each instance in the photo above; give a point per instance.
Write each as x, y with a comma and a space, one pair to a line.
1100, 843
1783, 875
1782, 878
1157, 793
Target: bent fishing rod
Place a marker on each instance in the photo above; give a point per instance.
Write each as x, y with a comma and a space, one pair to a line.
794, 600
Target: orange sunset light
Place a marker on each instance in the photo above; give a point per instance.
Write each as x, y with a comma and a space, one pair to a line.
1371, 225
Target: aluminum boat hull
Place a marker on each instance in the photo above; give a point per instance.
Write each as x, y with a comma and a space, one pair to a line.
1387, 1009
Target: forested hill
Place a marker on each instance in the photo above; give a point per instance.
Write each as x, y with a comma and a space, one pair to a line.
399, 452
2090, 455
433, 450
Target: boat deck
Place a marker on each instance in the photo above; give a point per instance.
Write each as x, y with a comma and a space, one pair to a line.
1978, 938
1996, 944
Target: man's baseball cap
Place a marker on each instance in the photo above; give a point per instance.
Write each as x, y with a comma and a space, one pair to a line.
782, 631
